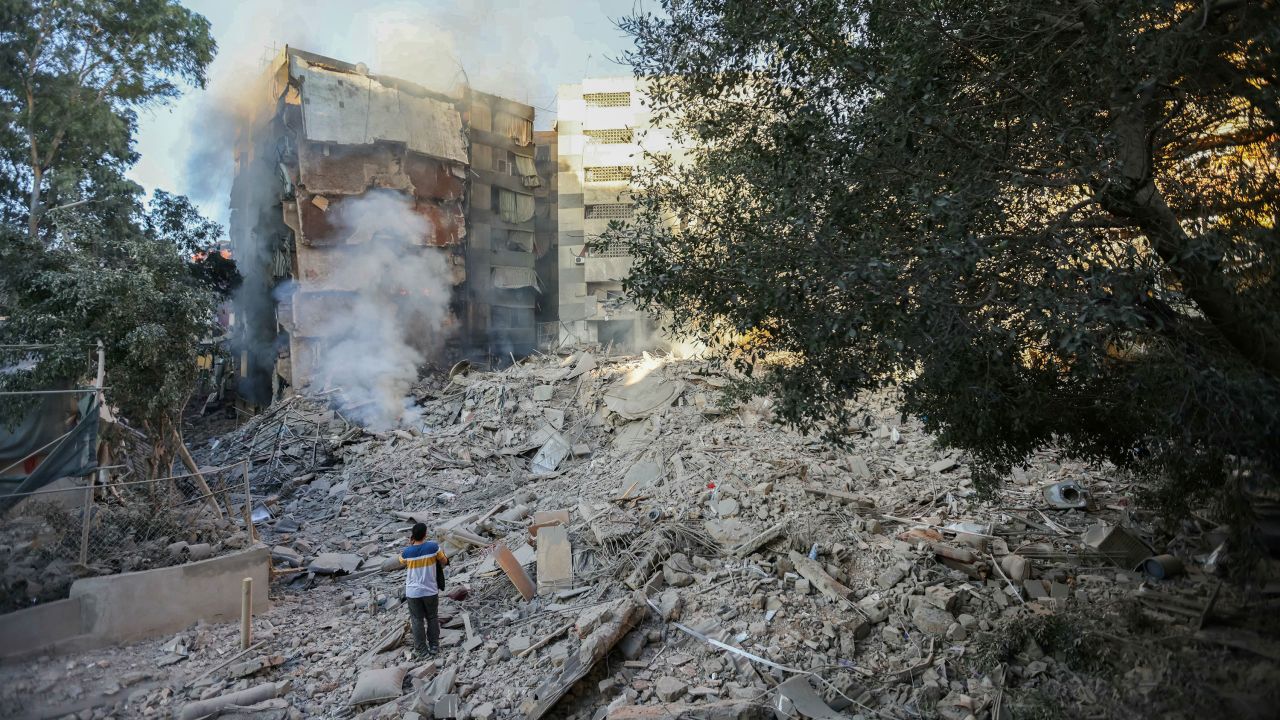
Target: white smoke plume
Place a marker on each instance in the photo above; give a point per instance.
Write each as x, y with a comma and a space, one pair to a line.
375, 344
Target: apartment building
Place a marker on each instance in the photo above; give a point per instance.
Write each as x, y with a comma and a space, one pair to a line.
603, 131
327, 134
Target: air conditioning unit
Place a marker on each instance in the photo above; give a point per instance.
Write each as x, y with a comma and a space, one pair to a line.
579, 260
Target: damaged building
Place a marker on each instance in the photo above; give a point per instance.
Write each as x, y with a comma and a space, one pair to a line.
339, 165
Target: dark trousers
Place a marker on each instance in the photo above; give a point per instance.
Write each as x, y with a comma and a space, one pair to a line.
425, 608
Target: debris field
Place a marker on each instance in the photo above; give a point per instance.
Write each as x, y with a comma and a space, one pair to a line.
624, 544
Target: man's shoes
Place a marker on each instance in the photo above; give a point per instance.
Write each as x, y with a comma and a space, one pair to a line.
434, 650
422, 653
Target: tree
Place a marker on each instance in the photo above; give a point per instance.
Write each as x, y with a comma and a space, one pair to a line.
84, 258
1050, 223
74, 74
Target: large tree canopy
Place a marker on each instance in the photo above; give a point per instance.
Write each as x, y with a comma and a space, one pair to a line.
84, 259
73, 74
1050, 222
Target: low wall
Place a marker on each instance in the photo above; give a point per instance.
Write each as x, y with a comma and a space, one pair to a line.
129, 606
39, 628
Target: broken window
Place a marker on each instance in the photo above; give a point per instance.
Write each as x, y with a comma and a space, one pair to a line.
509, 317
614, 136
609, 211
519, 129
609, 173
607, 99
512, 240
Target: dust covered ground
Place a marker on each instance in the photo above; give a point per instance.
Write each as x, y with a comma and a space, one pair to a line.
692, 591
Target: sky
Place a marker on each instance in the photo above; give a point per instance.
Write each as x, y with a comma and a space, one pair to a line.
521, 49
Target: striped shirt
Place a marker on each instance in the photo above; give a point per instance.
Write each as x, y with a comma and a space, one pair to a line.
421, 561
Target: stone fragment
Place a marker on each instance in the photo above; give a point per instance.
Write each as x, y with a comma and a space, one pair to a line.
1016, 567
802, 587
941, 597
891, 577
675, 571
669, 689
286, 554
670, 604
543, 393
334, 563
632, 645
943, 465
931, 620
555, 560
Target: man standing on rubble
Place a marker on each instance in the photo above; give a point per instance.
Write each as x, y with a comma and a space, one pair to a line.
425, 562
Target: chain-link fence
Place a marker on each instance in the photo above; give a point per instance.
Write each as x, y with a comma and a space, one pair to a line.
133, 525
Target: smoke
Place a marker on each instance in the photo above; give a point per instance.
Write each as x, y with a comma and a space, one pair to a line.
520, 50
375, 343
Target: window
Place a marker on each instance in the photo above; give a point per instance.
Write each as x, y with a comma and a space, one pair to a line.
511, 240
609, 211
512, 207
614, 250
610, 137
609, 173
504, 317
607, 99
520, 130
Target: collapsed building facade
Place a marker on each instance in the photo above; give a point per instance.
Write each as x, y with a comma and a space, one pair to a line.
337, 165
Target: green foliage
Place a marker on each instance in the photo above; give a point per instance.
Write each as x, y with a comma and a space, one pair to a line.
84, 259
1065, 636
1048, 223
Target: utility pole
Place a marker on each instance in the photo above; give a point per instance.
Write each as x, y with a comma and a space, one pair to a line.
102, 473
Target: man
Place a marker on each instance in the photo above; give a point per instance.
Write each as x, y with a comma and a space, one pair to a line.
424, 559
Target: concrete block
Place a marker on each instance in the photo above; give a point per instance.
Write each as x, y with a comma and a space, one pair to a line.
555, 560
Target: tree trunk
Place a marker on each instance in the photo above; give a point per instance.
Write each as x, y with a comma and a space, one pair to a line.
1141, 202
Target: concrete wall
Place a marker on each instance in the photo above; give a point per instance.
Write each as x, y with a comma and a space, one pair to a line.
152, 602
130, 606
39, 628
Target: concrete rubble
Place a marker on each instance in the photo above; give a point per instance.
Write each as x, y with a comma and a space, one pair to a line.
691, 561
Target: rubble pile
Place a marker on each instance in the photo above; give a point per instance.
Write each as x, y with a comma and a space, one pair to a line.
623, 545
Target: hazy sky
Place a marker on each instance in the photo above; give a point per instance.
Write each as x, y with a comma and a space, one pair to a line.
521, 49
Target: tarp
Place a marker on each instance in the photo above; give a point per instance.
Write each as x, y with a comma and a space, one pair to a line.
73, 454
52, 416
